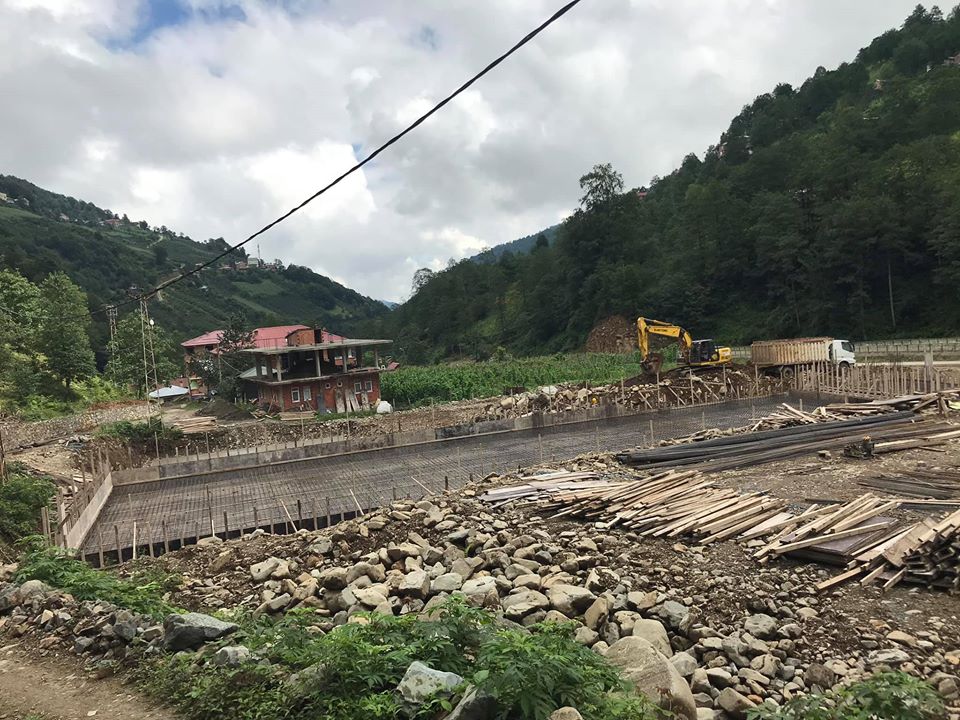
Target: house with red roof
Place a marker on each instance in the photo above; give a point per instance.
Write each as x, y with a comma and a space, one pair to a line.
299, 368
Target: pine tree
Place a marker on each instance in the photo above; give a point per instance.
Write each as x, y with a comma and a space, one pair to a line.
64, 329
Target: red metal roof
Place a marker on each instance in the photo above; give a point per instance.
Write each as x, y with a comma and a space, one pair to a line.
266, 337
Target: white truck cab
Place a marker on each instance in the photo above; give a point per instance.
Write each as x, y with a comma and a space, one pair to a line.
842, 353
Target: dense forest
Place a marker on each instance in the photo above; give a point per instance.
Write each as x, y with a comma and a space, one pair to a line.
832, 208
112, 258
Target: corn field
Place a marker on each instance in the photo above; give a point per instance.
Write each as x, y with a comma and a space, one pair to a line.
415, 385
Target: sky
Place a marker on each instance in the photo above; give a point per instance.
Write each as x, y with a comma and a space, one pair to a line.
214, 117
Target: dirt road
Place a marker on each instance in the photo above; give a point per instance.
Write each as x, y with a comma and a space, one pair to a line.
57, 689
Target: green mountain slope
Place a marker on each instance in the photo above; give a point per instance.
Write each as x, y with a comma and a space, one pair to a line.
831, 208
111, 262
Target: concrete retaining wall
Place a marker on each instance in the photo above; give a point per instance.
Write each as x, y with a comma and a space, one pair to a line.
18, 435
292, 452
75, 536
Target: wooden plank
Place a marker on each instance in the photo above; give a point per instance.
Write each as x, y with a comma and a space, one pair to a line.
831, 536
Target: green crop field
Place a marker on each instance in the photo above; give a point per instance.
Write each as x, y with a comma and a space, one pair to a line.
413, 386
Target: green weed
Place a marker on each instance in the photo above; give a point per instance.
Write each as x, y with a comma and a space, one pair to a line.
21, 499
60, 569
885, 696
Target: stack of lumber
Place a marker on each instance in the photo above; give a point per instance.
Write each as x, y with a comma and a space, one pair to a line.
925, 553
788, 416
900, 430
198, 424
831, 534
929, 484
668, 504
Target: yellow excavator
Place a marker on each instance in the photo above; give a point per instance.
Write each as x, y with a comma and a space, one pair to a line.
691, 353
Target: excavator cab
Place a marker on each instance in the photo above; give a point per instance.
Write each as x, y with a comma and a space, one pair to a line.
703, 351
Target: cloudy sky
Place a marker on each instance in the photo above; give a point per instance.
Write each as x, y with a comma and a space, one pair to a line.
213, 117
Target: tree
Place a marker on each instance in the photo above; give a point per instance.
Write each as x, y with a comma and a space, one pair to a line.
219, 372
19, 311
159, 255
420, 278
600, 185
126, 364
64, 329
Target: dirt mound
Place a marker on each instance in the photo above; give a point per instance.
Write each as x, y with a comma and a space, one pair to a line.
223, 410
614, 334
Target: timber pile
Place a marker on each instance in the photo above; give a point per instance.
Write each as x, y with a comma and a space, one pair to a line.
921, 483
194, 425
925, 553
669, 504
898, 431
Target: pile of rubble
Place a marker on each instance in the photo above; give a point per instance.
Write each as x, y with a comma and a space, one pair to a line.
727, 635
674, 390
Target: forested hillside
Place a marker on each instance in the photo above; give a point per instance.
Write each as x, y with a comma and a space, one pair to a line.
111, 258
833, 207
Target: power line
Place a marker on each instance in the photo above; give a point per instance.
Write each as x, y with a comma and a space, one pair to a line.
336, 181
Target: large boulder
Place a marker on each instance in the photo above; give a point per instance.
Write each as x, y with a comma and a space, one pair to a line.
191, 630
571, 600
654, 633
263, 570
421, 683
734, 704
523, 603
9, 597
653, 675
761, 626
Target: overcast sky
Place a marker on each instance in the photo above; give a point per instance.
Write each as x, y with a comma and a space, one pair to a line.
214, 117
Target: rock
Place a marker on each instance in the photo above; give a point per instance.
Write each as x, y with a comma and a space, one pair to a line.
571, 600
31, 589
761, 626
654, 633
640, 601
902, 638
596, 614
674, 613
274, 605
9, 597
416, 585
479, 586
821, 675
734, 704
263, 570
685, 663
653, 675
893, 656
221, 562
706, 713
190, 630
420, 683
230, 656
321, 546
334, 578
370, 597
448, 582
521, 604
473, 706
585, 636
375, 573
565, 713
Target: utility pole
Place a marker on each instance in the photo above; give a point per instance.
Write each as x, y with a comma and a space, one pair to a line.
3, 460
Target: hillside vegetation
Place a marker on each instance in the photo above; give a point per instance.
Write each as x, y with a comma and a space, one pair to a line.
106, 262
829, 208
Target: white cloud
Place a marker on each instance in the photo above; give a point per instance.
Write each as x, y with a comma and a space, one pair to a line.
214, 127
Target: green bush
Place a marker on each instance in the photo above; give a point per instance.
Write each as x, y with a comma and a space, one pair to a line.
142, 432
58, 568
885, 696
21, 499
352, 672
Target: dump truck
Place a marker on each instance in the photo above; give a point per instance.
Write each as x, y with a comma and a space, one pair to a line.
787, 356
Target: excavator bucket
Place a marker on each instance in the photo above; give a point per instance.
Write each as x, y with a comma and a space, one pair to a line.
653, 363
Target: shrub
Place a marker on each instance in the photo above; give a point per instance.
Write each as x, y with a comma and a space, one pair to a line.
21, 499
353, 671
57, 567
142, 432
885, 696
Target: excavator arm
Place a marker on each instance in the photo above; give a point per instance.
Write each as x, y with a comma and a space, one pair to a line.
646, 327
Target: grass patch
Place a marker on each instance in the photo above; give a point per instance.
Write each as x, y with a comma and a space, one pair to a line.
885, 696
411, 386
353, 671
141, 593
345, 415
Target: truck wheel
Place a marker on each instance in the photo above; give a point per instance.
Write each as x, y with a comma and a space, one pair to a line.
844, 369
788, 373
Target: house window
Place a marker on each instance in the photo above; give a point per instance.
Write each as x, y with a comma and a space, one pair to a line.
307, 395
295, 394
358, 387
368, 386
